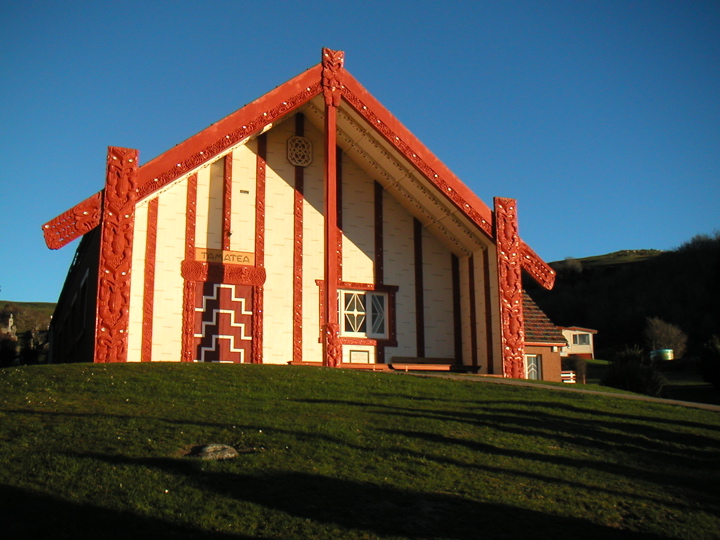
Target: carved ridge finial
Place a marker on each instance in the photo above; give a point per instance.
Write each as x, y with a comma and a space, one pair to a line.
332, 75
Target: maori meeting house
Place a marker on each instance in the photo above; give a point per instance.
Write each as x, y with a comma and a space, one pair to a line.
310, 227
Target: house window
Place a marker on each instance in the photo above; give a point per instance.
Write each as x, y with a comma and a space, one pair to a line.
363, 314
581, 339
533, 367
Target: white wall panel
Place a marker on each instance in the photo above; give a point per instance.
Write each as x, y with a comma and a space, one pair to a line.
313, 247
170, 252
279, 239
202, 207
398, 254
437, 298
242, 205
137, 283
358, 224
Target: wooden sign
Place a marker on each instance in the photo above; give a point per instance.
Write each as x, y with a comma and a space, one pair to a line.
224, 257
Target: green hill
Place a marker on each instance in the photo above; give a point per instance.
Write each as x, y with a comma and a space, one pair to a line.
101, 451
617, 292
27, 315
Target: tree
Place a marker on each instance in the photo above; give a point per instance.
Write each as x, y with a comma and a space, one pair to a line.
663, 335
710, 362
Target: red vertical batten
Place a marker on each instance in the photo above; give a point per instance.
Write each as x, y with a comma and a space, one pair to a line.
457, 312
489, 329
419, 292
379, 265
116, 240
227, 201
339, 184
379, 258
510, 287
189, 286
332, 75
298, 248
473, 313
258, 296
149, 285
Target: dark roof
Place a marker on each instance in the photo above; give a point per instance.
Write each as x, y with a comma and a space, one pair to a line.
538, 327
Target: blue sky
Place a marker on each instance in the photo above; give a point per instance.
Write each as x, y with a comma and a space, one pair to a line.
601, 118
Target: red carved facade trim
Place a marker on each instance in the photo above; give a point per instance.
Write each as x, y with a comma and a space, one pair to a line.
332, 76
258, 296
149, 281
74, 223
189, 287
227, 201
298, 249
332, 345
510, 287
223, 273
332, 351
536, 267
116, 240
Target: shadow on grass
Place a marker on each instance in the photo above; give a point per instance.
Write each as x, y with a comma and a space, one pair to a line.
381, 510
25, 514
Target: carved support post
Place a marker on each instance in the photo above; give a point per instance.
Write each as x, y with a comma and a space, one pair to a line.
118, 215
332, 74
509, 262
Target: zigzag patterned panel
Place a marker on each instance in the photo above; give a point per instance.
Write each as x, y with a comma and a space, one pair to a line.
223, 323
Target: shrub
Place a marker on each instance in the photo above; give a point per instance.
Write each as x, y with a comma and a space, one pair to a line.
576, 364
710, 362
631, 369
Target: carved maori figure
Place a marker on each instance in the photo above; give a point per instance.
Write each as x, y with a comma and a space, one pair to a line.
120, 195
510, 276
333, 347
332, 76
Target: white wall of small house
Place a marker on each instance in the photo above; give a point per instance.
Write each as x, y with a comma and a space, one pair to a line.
279, 241
170, 252
137, 282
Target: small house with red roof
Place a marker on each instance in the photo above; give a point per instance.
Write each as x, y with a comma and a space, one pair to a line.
580, 342
309, 227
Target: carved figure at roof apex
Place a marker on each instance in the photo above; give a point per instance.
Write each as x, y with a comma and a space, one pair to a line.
332, 75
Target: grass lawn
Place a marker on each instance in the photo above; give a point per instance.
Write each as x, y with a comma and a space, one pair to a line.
100, 451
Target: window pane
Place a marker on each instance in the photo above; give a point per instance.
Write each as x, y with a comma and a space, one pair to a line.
354, 312
378, 314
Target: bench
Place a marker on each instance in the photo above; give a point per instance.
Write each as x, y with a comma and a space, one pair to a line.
409, 363
568, 377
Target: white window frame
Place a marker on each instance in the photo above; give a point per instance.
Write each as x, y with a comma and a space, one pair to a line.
538, 363
579, 338
370, 317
